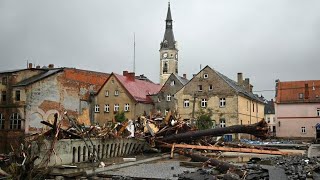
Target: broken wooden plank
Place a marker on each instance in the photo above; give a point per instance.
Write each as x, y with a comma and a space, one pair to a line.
227, 149
259, 130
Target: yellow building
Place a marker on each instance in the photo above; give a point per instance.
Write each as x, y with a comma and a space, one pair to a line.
123, 93
232, 103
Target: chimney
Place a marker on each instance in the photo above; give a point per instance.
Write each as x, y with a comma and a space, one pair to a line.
306, 91
251, 87
131, 76
125, 73
184, 76
240, 78
247, 84
50, 66
29, 65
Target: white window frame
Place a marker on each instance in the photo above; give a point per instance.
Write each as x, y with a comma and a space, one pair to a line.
168, 97
204, 103
172, 83
166, 112
1, 121
107, 93
106, 108
303, 130
116, 108
116, 92
206, 75
186, 103
223, 123
15, 121
318, 112
222, 102
96, 108
126, 107
300, 95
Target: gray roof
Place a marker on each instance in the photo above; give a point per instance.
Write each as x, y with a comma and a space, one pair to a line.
238, 88
38, 77
11, 71
182, 79
269, 108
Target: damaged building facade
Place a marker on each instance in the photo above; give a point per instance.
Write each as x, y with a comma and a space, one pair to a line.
31, 95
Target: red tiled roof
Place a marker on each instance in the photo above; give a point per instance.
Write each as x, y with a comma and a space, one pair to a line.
139, 89
288, 92
85, 76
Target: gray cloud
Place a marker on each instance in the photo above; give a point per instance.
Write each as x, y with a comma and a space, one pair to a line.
266, 40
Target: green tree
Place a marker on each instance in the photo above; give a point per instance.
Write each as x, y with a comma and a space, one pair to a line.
120, 116
204, 120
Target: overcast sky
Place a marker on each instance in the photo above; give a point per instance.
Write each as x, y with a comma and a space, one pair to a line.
265, 40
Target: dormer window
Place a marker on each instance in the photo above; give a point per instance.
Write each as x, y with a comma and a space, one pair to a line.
205, 76
172, 83
199, 87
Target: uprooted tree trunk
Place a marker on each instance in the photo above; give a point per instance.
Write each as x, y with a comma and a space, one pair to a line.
259, 130
221, 166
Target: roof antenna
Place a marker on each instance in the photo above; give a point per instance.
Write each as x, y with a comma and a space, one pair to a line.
134, 52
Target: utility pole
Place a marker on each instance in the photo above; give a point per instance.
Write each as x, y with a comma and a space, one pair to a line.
134, 52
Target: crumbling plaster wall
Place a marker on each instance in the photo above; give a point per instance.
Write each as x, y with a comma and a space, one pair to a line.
55, 94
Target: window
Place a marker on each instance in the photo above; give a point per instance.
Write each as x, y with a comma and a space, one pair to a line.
166, 112
199, 87
222, 123
303, 130
300, 95
4, 80
159, 99
252, 107
222, 102
172, 83
107, 93
4, 96
318, 112
268, 119
247, 105
126, 107
168, 97
18, 95
1, 121
116, 93
165, 67
116, 108
96, 108
15, 121
210, 87
205, 76
204, 102
106, 108
186, 103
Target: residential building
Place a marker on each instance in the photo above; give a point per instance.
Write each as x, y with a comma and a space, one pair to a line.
232, 103
168, 51
270, 117
164, 100
297, 108
124, 93
32, 95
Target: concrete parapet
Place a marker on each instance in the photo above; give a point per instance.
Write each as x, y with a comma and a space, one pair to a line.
70, 151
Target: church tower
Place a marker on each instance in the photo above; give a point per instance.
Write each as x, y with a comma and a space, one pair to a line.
168, 51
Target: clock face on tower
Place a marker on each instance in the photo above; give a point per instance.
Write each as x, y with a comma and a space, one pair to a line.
165, 55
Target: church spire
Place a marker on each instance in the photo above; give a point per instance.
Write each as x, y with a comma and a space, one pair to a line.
168, 39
